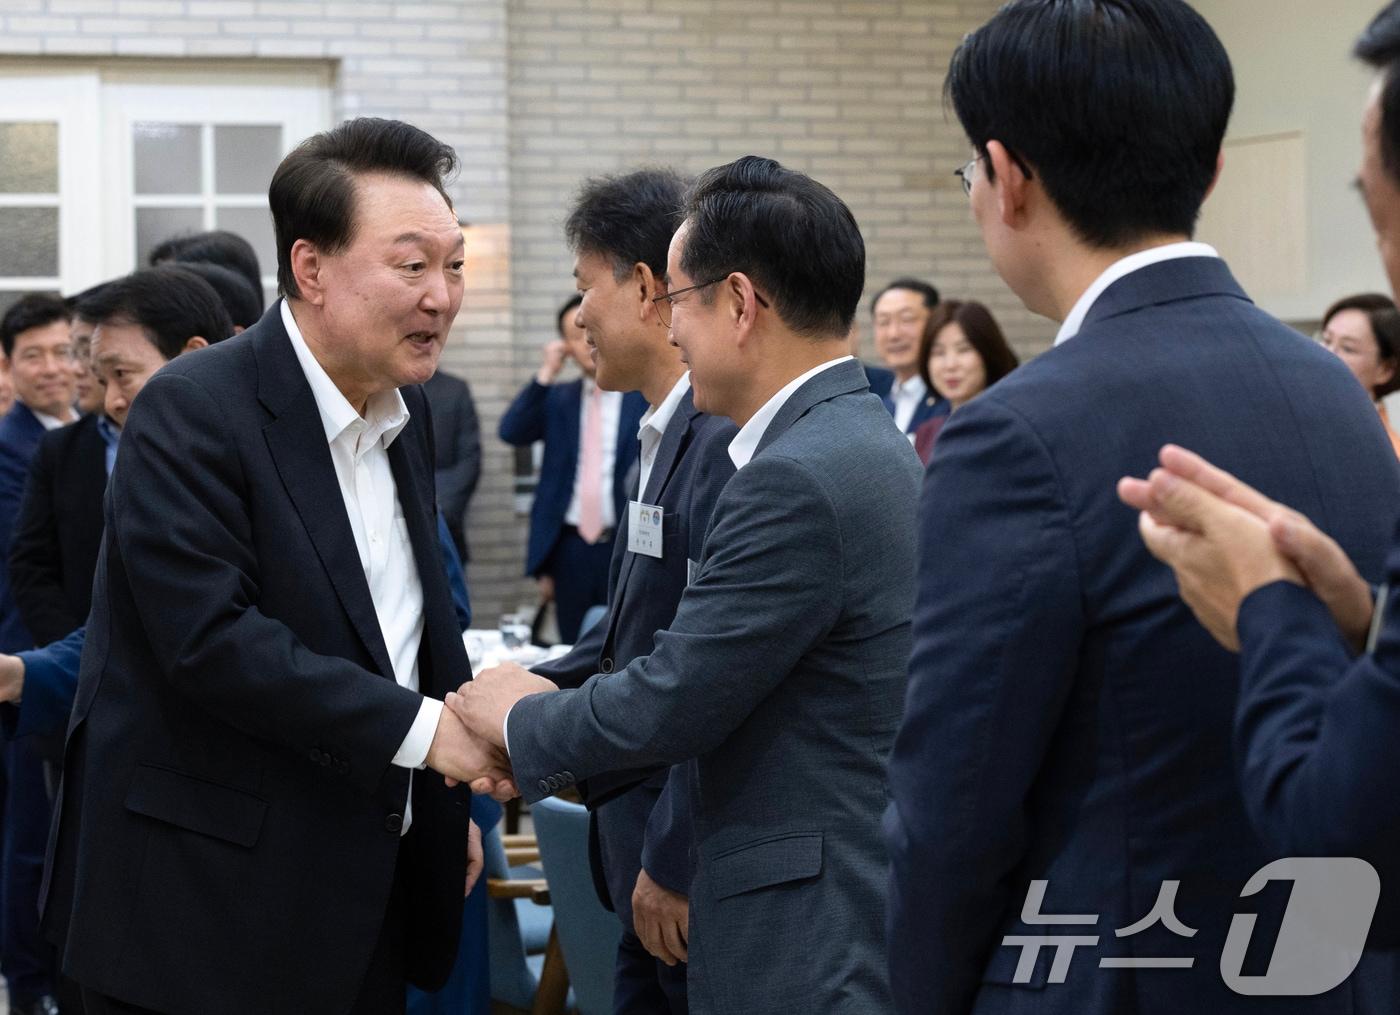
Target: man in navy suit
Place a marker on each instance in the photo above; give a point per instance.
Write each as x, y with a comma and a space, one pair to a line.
580, 497
899, 312
38, 351
1065, 755
620, 229
1316, 750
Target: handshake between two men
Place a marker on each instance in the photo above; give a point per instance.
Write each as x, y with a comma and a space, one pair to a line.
469, 743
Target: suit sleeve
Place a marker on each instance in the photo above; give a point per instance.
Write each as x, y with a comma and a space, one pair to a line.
50, 685
761, 599
456, 482
524, 419
996, 630
178, 509
36, 580
668, 839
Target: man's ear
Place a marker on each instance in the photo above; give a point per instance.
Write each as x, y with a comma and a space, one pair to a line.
196, 342
307, 265
645, 286
741, 304
1010, 182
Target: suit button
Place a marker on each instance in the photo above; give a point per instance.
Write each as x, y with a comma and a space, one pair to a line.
393, 823
607, 665
553, 781
326, 760
316, 756
544, 785
568, 778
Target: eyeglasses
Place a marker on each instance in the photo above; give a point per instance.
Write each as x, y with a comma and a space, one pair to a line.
666, 301
964, 173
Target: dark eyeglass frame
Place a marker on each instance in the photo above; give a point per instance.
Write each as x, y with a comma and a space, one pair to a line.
669, 298
964, 172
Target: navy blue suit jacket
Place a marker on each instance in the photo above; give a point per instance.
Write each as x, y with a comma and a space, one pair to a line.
881, 379
550, 413
1068, 720
1316, 745
649, 825
931, 406
20, 433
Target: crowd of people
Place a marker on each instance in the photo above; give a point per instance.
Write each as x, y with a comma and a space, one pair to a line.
892, 687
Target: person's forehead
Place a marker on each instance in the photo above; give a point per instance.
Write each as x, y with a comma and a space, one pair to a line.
899, 299
401, 210
53, 333
113, 339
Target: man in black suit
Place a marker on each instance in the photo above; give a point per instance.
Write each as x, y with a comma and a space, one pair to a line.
239, 826
457, 435
620, 229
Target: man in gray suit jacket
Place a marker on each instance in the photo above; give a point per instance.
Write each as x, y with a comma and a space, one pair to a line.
782, 675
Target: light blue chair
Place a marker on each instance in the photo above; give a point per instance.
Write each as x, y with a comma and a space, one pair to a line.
588, 933
517, 930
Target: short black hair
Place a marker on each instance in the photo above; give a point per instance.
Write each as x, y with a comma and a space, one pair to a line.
243, 303
1385, 326
628, 219
569, 304
914, 285
76, 304
171, 303
1119, 107
33, 310
217, 246
1379, 47
789, 234
312, 195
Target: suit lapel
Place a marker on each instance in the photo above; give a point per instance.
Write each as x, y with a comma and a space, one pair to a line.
296, 440
841, 379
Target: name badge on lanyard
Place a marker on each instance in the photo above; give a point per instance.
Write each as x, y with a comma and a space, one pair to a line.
644, 529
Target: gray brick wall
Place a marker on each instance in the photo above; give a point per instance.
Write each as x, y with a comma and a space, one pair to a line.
537, 94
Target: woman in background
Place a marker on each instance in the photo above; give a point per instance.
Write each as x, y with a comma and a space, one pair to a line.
1364, 331
962, 354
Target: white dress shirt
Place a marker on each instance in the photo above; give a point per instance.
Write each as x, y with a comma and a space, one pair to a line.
49, 422
906, 398
745, 442
359, 449
653, 427
1119, 269
612, 413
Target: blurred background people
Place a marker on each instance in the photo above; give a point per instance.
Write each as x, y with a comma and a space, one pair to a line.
457, 445
216, 246
899, 312
1364, 331
962, 353
590, 444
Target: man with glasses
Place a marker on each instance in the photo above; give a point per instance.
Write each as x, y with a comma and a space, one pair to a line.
781, 679
898, 313
38, 350
1066, 752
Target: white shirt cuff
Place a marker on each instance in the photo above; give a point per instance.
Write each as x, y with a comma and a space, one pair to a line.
413, 752
505, 730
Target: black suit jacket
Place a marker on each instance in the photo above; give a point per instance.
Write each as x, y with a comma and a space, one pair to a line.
691, 469
227, 830
457, 434
53, 552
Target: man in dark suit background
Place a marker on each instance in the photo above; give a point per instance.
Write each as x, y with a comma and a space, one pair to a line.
580, 496
898, 315
1066, 747
619, 229
239, 827
457, 437
782, 674
38, 351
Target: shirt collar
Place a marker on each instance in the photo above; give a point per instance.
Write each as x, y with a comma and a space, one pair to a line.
914, 386
745, 442
46, 421
386, 413
1120, 269
658, 417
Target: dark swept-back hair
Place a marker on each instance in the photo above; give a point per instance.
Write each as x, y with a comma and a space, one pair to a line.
1119, 107
33, 310
243, 303
78, 303
1385, 325
569, 304
792, 236
983, 333
170, 303
1379, 47
914, 285
218, 246
628, 219
312, 195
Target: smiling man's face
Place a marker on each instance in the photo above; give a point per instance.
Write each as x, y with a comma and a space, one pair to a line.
899, 318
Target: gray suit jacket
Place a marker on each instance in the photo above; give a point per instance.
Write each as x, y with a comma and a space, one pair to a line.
783, 677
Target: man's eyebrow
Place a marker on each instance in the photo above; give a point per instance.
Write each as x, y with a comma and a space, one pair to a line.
420, 238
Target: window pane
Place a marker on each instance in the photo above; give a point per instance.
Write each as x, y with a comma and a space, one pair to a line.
29, 241
168, 158
156, 225
245, 158
255, 226
29, 158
